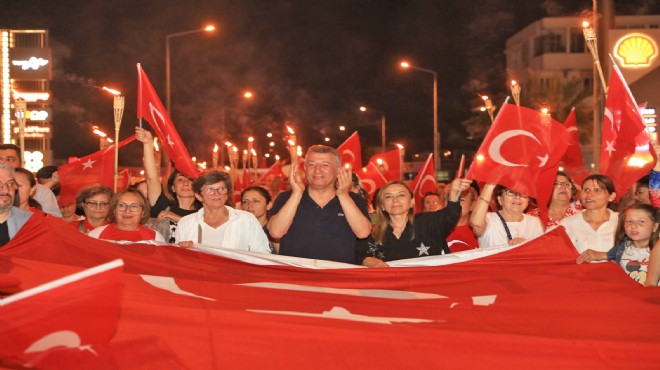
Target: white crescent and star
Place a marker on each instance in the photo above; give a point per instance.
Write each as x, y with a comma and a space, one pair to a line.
608, 114
350, 153
420, 186
494, 150
371, 188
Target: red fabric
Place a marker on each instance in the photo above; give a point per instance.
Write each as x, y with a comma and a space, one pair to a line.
350, 151
371, 178
111, 232
545, 311
625, 154
96, 168
424, 182
238, 188
521, 151
151, 108
88, 227
462, 239
572, 159
275, 169
391, 164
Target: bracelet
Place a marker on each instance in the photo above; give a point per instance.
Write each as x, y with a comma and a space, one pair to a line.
484, 200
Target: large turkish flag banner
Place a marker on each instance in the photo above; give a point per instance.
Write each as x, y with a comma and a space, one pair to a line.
626, 154
151, 108
350, 152
521, 151
511, 307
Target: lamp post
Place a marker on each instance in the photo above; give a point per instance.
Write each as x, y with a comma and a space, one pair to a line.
382, 127
20, 105
168, 91
436, 133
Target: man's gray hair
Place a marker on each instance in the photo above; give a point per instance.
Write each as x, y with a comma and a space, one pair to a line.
324, 149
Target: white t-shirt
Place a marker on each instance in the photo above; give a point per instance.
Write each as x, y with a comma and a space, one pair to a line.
584, 237
635, 262
241, 231
495, 234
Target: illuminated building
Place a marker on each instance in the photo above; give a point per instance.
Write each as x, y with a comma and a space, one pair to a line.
26, 71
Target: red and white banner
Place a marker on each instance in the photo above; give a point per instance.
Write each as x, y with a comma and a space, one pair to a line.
151, 108
525, 307
572, 159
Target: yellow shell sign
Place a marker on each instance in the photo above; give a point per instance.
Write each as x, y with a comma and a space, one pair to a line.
635, 50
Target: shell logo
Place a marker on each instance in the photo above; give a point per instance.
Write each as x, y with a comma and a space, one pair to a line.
635, 50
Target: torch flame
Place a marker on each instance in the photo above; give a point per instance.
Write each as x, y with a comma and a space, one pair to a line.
228, 143
292, 143
484, 97
250, 139
215, 148
156, 144
112, 91
514, 82
254, 152
586, 24
235, 149
290, 130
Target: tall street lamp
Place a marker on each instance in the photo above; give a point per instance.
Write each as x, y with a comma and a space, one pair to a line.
209, 28
382, 127
436, 133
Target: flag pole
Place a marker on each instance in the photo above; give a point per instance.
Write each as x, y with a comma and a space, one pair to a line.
139, 97
119, 112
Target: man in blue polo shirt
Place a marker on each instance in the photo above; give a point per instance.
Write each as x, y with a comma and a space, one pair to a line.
324, 219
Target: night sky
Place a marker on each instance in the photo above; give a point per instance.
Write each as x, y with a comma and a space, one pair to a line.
312, 63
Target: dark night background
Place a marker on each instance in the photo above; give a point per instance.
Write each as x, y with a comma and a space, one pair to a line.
312, 63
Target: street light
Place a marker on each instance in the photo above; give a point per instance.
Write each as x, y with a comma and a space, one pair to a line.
436, 133
208, 28
382, 127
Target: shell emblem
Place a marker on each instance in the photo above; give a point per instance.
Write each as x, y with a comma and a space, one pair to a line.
635, 50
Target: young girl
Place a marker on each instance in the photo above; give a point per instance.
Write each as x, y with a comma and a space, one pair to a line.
636, 234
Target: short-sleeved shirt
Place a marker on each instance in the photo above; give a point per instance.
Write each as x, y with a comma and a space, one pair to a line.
319, 232
495, 234
585, 237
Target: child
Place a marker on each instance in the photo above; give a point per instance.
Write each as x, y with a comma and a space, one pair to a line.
636, 234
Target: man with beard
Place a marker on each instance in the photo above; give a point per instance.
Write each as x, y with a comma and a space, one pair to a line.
11, 218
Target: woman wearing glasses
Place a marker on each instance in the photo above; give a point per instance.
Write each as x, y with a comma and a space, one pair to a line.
509, 225
129, 211
595, 226
95, 202
217, 224
562, 203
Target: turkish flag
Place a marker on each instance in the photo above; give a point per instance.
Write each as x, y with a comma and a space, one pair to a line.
372, 179
350, 151
389, 164
626, 153
73, 317
424, 182
151, 108
572, 159
275, 169
96, 168
521, 151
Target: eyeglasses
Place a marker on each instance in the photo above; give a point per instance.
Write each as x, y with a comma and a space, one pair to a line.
560, 184
134, 207
218, 190
96, 204
512, 193
11, 184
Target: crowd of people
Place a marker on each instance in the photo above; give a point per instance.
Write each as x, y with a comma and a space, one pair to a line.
326, 214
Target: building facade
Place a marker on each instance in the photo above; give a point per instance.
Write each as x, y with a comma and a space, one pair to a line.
25, 73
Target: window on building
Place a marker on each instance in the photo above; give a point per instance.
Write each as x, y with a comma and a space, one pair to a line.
577, 41
550, 42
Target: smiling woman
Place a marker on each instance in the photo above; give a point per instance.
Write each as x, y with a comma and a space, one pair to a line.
129, 210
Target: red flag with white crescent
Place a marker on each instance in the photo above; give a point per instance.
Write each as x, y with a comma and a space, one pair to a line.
424, 182
521, 151
389, 164
151, 108
372, 179
350, 151
626, 153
